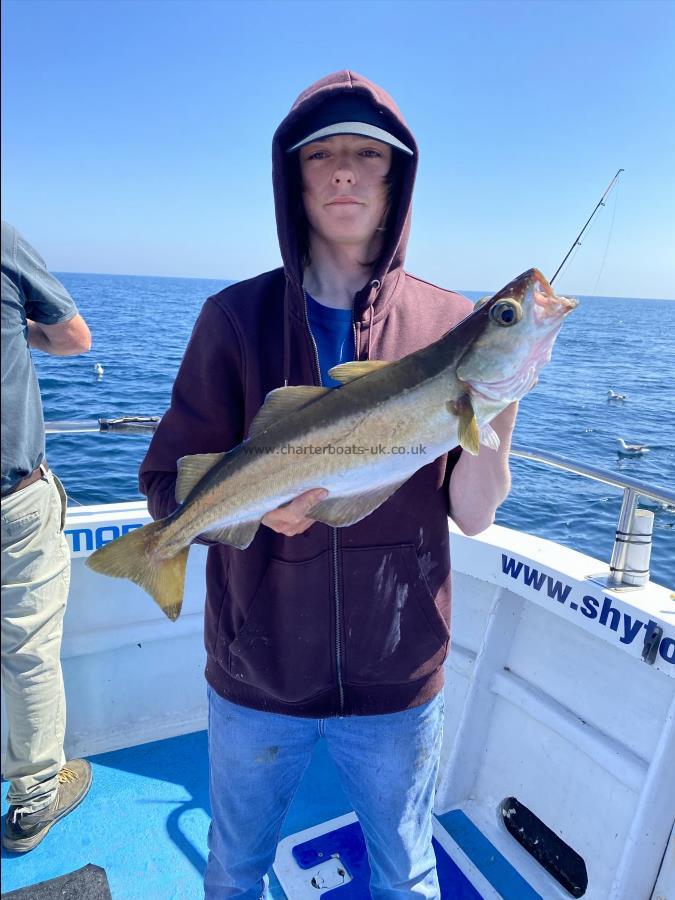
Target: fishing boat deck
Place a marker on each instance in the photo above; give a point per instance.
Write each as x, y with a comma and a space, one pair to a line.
146, 818
560, 701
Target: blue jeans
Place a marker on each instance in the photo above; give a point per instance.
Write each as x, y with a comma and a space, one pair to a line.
388, 766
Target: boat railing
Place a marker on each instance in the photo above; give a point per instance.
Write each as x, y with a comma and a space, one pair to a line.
121, 425
621, 575
633, 489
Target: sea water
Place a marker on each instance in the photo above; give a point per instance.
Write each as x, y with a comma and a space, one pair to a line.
141, 325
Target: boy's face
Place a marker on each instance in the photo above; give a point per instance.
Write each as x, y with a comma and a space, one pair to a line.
344, 189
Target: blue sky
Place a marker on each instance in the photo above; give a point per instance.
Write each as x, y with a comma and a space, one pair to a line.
136, 135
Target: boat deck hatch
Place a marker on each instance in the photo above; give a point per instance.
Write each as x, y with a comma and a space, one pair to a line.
332, 857
544, 845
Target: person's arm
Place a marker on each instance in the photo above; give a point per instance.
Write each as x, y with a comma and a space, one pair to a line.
64, 339
479, 484
53, 322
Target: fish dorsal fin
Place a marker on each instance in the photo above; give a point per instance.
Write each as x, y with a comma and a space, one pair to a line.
283, 401
350, 371
469, 433
341, 511
239, 535
191, 470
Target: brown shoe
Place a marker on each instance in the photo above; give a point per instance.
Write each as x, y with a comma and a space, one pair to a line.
24, 830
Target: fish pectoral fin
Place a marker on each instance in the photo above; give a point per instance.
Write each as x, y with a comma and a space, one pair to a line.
191, 470
469, 436
339, 511
350, 371
489, 437
239, 535
469, 433
283, 401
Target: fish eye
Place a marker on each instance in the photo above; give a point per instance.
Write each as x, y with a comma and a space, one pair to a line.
506, 312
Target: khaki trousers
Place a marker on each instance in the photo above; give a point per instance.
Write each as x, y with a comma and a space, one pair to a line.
35, 580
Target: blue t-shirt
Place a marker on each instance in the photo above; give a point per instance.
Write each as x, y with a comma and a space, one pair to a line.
333, 334
29, 291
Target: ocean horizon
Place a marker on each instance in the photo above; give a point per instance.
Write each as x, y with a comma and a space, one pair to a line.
472, 293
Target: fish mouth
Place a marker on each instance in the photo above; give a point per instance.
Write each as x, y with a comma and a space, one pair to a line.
548, 306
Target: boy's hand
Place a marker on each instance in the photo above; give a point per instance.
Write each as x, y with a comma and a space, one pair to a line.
291, 518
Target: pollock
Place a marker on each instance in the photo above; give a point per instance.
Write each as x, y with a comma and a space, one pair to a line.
360, 441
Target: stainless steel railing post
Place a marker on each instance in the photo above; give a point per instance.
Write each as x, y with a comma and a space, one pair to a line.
617, 564
632, 490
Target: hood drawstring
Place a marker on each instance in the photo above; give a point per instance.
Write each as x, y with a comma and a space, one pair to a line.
287, 335
374, 288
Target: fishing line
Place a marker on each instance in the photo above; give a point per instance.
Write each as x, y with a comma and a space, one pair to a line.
609, 238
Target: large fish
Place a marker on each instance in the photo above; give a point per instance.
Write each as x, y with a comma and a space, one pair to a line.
341, 439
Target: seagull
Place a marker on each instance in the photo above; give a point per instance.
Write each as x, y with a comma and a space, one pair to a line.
631, 449
98, 369
612, 395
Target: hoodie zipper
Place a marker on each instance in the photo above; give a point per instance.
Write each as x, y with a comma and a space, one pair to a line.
375, 285
334, 546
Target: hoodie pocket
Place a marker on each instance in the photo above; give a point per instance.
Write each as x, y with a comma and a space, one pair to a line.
394, 632
284, 645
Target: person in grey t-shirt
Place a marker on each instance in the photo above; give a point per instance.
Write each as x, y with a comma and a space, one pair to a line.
37, 312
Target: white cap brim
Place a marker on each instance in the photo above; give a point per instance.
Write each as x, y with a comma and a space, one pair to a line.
360, 128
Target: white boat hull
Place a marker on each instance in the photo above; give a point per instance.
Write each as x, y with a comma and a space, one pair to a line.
548, 698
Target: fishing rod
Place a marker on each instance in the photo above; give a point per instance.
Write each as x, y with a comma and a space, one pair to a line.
122, 425
577, 240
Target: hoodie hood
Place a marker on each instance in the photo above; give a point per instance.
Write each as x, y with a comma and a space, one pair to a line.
291, 130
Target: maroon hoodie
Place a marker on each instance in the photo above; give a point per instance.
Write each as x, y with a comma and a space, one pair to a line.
335, 621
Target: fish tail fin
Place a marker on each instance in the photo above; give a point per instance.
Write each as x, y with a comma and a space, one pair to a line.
132, 556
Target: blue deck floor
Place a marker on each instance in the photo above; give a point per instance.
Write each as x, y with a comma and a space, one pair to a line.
146, 818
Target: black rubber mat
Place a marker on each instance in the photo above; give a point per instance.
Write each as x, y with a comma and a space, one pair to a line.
88, 883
